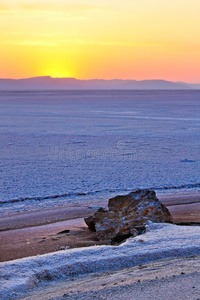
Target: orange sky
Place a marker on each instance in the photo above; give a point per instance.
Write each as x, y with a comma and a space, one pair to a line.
129, 39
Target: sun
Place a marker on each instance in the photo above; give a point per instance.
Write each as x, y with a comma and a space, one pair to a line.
60, 74
59, 71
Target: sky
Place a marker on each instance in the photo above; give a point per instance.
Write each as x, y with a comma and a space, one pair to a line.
126, 39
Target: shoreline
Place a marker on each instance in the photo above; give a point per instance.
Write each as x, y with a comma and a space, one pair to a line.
34, 233
174, 202
160, 244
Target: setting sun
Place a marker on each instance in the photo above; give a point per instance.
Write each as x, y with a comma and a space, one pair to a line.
58, 72
146, 39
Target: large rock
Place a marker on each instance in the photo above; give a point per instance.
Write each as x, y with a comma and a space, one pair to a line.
127, 215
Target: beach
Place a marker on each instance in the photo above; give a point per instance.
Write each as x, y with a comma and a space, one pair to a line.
52, 230
63, 155
51, 254
163, 262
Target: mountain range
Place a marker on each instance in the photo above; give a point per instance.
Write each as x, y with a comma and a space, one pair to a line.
50, 83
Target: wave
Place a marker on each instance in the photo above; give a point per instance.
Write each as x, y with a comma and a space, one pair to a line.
179, 187
40, 198
92, 193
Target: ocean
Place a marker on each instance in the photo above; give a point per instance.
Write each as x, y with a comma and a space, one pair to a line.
58, 147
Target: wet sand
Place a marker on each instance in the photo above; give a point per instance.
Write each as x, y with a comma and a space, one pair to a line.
40, 232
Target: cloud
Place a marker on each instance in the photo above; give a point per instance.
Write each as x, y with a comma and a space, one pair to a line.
55, 9
36, 43
114, 43
29, 43
57, 42
5, 8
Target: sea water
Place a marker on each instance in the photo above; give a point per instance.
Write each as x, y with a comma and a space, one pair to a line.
58, 147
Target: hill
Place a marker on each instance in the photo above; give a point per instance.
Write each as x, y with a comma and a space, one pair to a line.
49, 83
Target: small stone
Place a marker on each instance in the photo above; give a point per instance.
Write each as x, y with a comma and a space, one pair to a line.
64, 231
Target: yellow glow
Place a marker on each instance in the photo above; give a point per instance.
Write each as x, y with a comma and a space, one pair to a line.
144, 39
58, 72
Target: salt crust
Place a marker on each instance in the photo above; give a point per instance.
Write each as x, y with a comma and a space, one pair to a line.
160, 241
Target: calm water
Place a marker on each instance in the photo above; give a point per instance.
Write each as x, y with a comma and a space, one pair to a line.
74, 146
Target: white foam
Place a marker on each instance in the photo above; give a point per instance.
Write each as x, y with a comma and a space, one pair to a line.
160, 241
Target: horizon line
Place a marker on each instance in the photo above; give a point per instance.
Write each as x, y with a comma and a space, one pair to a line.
49, 76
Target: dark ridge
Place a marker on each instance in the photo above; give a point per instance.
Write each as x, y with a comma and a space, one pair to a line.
183, 186
120, 238
66, 195
47, 197
188, 224
49, 83
64, 231
192, 202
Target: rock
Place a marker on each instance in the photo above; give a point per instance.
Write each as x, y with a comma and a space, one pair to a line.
127, 215
90, 223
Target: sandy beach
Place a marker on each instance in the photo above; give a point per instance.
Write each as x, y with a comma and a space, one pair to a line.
51, 254
46, 231
163, 262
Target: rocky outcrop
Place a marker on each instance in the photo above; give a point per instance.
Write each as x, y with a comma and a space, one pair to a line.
127, 215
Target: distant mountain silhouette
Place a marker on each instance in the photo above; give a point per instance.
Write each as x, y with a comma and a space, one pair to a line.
49, 83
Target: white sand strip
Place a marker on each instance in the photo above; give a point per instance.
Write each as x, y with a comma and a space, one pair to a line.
160, 241
172, 278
